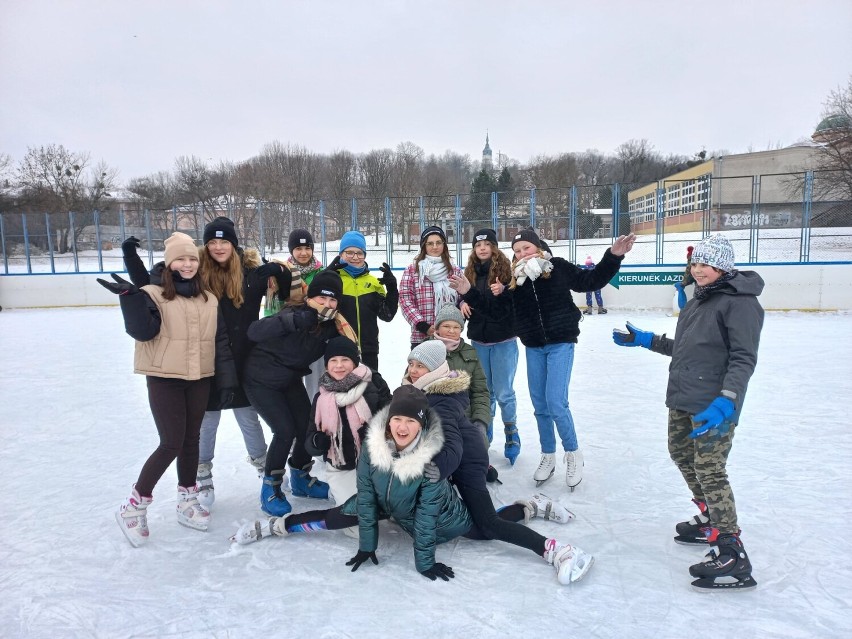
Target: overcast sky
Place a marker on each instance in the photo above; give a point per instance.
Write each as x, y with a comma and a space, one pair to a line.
139, 83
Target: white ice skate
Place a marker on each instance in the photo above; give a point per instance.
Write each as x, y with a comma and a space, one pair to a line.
573, 468
204, 477
132, 518
545, 468
189, 512
571, 563
256, 530
540, 505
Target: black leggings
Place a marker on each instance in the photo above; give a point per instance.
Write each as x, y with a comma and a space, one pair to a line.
287, 410
503, 526
178, 407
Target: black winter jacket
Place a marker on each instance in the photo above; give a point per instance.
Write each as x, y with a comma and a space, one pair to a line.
491, 323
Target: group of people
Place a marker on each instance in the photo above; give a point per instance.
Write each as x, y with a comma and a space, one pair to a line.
309, 368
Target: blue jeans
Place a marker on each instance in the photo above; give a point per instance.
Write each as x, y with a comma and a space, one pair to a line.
548, 376
598, 298
249, 425
500, 362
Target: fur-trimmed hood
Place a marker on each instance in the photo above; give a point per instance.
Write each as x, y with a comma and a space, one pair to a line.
250, 258
457, 382
408, 466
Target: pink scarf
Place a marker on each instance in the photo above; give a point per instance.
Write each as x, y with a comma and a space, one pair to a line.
357, 413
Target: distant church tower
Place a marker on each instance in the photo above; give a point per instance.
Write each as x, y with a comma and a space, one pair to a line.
487, 162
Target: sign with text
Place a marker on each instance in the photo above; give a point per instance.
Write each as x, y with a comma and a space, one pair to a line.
650, 278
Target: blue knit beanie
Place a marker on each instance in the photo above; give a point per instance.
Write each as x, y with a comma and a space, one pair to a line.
353, 239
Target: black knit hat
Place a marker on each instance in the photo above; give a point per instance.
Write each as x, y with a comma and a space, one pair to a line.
489, 235
221, 228
328, 283
432, 230
300, 237
342, 347
409, 401
527, 235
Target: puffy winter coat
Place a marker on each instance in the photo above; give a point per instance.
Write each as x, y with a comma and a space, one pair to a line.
363, 304
714, 350
183, 338
544, 308
464, 358
377, 395
494, 323
393, 484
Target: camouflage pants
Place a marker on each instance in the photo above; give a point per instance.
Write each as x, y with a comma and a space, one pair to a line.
702, 461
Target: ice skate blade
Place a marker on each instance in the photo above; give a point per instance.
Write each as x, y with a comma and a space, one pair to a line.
187, 524
709, 584
586, 570
539, 482
690, 541
134, 541
571, 488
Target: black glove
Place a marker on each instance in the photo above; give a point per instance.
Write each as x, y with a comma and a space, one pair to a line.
360, 558
387, 279
270, 269
129, 246
432, 472
226, 396
336, 264
120, 287
439, 570
423, 327
321, 440
305, 319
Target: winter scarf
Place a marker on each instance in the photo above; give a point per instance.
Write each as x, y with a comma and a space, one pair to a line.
298, 288
531, 267
346, 393
355, 271
703, 292
313, 265
451, 344
432, 268
439, 373
327, 314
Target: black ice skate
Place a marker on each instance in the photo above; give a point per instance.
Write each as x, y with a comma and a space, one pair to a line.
694, 531
727, 567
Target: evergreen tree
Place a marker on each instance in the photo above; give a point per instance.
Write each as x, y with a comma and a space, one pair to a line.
504, 182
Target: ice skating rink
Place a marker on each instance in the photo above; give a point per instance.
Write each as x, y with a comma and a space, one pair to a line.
76, 428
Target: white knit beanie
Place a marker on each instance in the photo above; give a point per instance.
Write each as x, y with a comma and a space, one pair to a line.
714, 251
177, 245
431, 353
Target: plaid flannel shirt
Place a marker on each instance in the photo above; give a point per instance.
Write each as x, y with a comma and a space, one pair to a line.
417, 300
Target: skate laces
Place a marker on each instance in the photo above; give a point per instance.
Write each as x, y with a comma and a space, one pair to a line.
571, 462
545, 462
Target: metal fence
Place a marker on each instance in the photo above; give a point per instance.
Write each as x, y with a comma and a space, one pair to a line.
779, 218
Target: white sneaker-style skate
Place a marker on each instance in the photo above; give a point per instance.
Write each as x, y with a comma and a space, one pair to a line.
256, 530
573, 468
189, 512
204, 477
540, 505
545, 468
132, 518
258, 463
571, 563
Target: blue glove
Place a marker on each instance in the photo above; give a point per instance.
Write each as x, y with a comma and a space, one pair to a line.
716, 415
681, 295
633, 337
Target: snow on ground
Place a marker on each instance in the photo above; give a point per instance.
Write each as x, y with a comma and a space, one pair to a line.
76, 428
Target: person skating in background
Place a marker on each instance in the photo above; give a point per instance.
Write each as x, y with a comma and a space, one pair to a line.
286, 344
425, 285
237, 277
366, 300
686, 280
181, 343
590, 265
493, 336
547, 323
713, 355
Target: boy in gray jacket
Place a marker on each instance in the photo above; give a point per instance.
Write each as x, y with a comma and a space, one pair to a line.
714, 352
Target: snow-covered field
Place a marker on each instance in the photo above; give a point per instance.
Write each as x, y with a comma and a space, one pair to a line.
76, 428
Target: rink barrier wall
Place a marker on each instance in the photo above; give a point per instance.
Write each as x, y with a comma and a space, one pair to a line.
804, 287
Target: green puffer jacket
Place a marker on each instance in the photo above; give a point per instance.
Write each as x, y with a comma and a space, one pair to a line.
464, 358
394, 484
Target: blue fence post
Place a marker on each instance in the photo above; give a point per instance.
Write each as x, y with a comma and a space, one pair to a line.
96, 218
49, 242
3, 243
658, 224
150, 239
388, 232
532, 209
422, 217
354, 218
807, 199
26, 242
458, 229
261, 230
322, 231
572, 224
615, 231
122, 229
174, 218
71, 228
494, 205
754, 224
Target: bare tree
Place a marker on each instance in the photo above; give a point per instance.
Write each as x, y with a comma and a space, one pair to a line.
407, 181
834, 156
375, 169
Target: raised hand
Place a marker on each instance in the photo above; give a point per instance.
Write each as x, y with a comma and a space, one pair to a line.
632, 337
623, 244
270, 269
337, 264
129, 246
388, 279
120, 287
460, 283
